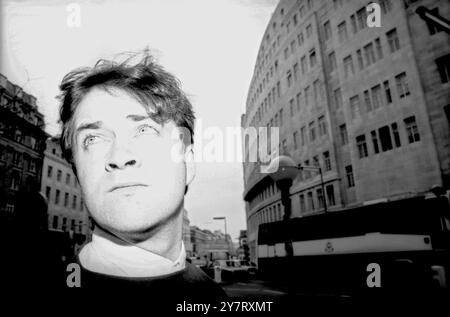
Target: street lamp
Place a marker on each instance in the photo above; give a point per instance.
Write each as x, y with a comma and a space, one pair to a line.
225, 221
285, 171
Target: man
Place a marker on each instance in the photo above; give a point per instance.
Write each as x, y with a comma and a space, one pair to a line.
127, 130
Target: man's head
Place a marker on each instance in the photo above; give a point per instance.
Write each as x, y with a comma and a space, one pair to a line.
118, 126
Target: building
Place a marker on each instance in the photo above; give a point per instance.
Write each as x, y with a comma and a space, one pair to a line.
66, 209
22, 145
369, 105
204, 242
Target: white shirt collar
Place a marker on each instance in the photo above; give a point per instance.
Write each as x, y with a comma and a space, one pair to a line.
105, 254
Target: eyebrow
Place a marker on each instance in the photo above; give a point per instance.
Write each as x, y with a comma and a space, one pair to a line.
99, 124
89, 125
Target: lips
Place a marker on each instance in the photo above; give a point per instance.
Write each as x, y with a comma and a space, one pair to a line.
127, 185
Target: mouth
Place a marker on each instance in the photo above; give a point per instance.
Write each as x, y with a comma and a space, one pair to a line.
127, 186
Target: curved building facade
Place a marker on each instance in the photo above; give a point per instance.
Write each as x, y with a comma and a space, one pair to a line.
368, 105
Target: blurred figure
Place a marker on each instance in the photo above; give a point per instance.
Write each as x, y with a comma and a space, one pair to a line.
32, 260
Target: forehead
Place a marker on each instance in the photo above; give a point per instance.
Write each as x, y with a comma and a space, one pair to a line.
102, 105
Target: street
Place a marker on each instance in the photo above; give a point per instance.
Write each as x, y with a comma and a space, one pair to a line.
253, 288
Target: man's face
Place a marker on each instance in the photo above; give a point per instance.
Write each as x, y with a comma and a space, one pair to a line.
129, 179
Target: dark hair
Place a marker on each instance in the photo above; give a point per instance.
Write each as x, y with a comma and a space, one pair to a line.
156, 89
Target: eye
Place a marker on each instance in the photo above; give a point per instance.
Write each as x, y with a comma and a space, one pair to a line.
147, 129
90, 139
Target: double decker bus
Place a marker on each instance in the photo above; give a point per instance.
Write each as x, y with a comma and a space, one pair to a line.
399, 244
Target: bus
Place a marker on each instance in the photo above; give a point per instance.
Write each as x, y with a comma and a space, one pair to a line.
393, 245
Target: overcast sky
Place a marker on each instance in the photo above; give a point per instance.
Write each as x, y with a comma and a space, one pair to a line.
211, 46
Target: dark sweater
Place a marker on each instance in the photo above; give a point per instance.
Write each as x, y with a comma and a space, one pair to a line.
189, 283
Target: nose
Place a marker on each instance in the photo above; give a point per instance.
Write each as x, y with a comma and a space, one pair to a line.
120, 157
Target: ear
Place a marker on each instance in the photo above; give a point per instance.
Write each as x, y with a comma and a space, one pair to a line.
190, 164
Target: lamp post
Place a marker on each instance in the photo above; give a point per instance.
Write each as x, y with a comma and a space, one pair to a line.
225, 221
283, 171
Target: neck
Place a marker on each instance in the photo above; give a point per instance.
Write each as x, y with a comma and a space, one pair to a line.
165, 240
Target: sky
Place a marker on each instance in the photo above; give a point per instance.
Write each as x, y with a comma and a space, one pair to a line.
211, 46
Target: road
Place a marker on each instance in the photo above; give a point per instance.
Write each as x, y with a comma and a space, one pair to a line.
253, 288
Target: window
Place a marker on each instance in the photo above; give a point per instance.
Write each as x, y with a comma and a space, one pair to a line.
354, 26
303, 135
308, 31
281, 117
385, 5
369, 54
292, 47
332, 61
348, 66
362, 146
316, 87
278, 89
74, 202
295, 71
330, 195
302, 11
49, 171
387, 92
327, 161
376, 96
320, 198
360, 59
295, 137
66, 199
312, 57
32, 165
349, 174
361, 15
286, 53
291, 106
338, 98
59, 175
367, 101
322, 126
300, 39
64, 224
393, 41
310, 201
294, 18
57, 197
342, 32
302, 203
385, 138
402, 85
304, 65
47, 192
312, 131
412, 130
443, 65
55, 222
81, 204
297, 100
327, 30
354, 106
373, 134
378, 48
289, 78
343, 134
307, 92
67, 178
15, 181
396, 134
